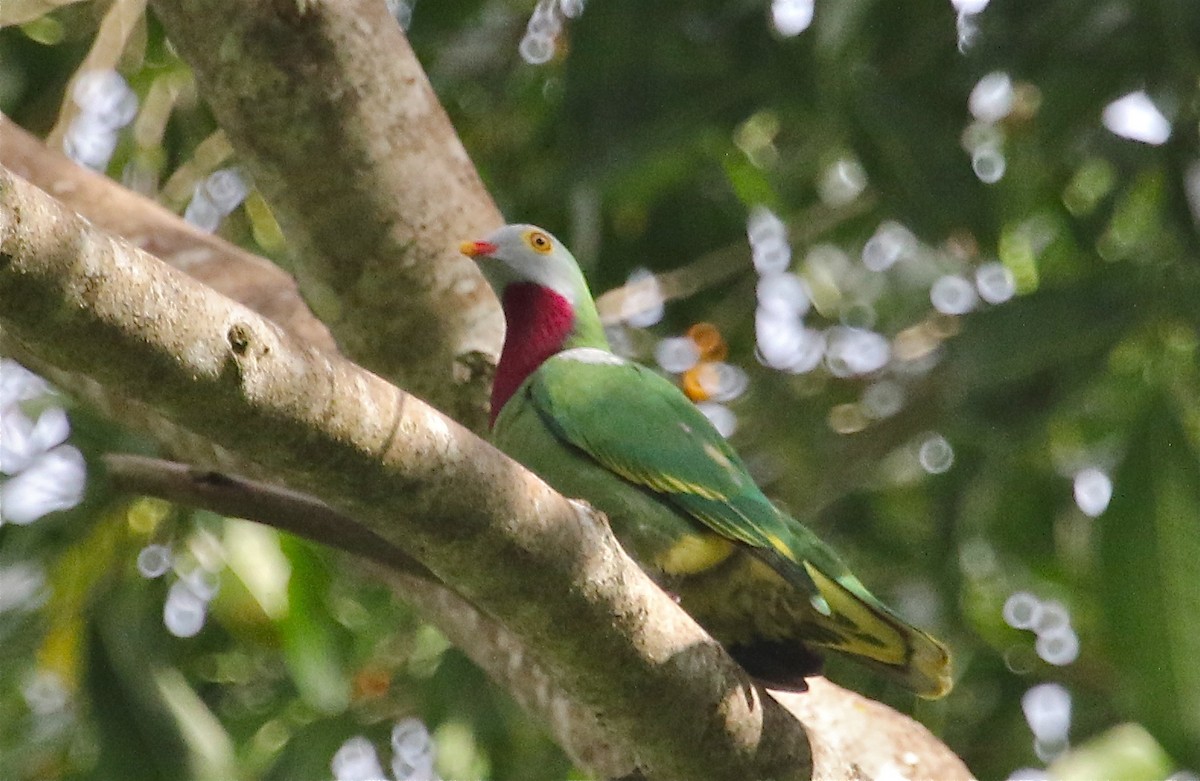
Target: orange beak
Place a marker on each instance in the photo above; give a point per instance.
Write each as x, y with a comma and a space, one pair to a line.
477, 249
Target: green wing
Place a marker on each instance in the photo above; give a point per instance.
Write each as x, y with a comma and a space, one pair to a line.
640, 426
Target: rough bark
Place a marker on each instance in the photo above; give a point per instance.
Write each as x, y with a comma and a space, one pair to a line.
334, 118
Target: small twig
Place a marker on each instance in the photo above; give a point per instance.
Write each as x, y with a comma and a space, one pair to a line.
206, 157
279, 508
720, 265
116, 29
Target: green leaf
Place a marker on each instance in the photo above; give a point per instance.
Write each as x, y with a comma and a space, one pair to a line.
1149, 548
313, 643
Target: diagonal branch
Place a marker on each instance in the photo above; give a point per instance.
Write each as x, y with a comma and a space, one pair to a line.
250, 500
545, 568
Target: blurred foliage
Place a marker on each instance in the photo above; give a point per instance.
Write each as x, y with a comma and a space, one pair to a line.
644, 143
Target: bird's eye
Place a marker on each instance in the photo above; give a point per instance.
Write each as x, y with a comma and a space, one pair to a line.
539, 241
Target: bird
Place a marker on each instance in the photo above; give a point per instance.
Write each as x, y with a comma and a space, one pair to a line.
620, 436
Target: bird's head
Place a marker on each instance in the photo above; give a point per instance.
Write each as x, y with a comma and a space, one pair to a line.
547, 305
528, 255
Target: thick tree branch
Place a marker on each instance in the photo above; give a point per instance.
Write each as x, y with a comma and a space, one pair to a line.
335, 119
544, 567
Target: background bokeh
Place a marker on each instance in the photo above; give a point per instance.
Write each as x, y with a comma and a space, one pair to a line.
934, 267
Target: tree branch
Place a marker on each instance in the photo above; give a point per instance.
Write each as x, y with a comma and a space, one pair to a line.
250, 500
335, 119
553, 575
